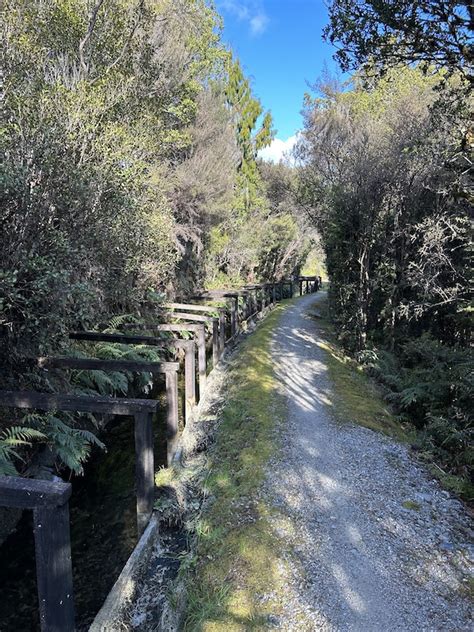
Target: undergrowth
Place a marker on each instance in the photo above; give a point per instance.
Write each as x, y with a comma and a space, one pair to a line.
354, 396
420, 398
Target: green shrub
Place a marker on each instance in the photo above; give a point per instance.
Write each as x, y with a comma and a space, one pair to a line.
430, 384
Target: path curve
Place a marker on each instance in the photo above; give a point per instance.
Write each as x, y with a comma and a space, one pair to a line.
360, 561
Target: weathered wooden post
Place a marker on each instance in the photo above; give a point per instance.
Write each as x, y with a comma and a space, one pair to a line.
54, 567
253, 302
264, 297
215, 342
307, 287
274, 294
202, 370
245, 306
222, 324
49, 502
144, 468
189, 377
172, 414
234, 319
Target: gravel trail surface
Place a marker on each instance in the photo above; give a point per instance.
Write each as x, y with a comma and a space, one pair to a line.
374, 544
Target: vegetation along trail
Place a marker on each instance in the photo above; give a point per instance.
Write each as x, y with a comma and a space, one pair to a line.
375, 543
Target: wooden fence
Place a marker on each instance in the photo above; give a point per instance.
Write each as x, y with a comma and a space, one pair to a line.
49, 500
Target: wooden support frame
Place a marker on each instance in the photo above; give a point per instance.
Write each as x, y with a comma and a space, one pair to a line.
234, 306
170, 369
200, 337
208, 320
289, 283
205, 309
247, 304
165, 344
252, 291
310, 284
49, 502
140, 409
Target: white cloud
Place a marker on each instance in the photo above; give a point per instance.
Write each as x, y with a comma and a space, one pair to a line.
279, 150
250, 11
258, 23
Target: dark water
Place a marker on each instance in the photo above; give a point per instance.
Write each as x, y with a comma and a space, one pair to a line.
103, 533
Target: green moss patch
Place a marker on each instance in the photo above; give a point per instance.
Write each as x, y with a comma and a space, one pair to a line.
411, 504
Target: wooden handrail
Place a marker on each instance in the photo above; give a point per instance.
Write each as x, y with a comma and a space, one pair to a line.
98, 364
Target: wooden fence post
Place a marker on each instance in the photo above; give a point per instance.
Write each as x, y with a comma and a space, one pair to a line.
222, 324
189, 378
201, 342
274, 293
54, 568
144, 468
234, 321
172, 414
215, 341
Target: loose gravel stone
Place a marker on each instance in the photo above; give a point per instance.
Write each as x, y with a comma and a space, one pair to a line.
374, 544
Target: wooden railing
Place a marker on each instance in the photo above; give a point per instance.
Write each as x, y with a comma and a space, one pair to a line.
49, 500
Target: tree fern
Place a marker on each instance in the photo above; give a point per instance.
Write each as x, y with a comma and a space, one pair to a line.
117, 321
103, 382
10, 439
72, 445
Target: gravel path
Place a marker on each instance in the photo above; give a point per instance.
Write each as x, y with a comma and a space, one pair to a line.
359, 559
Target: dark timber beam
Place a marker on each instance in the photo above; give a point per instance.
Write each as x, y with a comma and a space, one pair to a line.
49, 501
166, 344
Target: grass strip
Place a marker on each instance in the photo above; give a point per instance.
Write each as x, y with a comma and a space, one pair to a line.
237, 549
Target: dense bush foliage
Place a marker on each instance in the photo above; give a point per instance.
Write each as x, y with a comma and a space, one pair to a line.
130, 139
383, 177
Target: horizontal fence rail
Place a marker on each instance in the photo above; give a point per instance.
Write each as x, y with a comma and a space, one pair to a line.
170, 369
49, 500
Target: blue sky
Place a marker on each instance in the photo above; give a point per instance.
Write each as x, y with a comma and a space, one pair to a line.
280, 46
